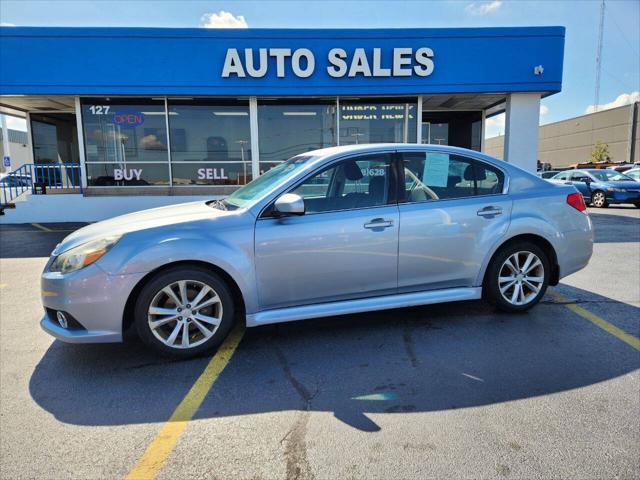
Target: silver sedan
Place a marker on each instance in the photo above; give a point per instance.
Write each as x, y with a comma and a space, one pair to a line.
333, 231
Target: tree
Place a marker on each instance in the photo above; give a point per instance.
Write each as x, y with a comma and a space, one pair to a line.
600, 152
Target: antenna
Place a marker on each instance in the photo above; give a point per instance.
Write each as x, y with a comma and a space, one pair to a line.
596, 101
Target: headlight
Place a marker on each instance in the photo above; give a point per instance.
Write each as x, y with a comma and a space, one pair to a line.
83, 255
614, 189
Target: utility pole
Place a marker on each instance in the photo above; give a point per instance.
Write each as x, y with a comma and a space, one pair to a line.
596, 101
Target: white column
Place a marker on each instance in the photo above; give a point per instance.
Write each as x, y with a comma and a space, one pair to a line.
482, 130
31, 154
419, 122
255, 145
6, 145
81, 151
521, 130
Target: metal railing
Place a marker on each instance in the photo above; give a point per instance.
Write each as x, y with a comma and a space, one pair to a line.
39, 178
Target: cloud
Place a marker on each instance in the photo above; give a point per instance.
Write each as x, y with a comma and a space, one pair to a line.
7, 24
483, 8
223, 19
622, 99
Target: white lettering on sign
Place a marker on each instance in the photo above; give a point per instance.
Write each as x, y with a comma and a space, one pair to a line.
127, 174
403, 62
211, 174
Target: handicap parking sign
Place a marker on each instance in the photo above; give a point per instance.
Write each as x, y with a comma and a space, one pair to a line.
7, 161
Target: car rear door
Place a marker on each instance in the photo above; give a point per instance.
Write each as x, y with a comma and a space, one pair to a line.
345, 246
452, 213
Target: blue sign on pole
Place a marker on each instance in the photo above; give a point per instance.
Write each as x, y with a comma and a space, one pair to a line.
7, 161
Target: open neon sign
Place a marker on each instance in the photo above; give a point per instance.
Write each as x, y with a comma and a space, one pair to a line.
128, 120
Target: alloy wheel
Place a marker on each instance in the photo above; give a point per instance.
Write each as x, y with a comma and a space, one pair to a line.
185, 314
599, 199
521, 278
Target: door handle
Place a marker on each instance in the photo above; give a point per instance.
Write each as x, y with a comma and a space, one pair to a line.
489, 211
379, 223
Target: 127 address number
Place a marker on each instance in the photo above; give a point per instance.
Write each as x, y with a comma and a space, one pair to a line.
99, 109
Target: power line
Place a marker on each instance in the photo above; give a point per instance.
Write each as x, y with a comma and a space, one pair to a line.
599, 57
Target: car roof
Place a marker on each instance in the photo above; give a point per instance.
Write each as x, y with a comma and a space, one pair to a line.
325, 154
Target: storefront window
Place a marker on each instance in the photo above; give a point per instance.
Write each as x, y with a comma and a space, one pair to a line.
288, 128
210, 142
378, 121
125, 142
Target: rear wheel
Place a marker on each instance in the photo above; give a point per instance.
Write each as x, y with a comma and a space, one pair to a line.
184, 312
599, 199
517, 277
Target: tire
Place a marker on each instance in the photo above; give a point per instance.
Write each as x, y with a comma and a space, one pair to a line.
498, 272
599, 199
161, 301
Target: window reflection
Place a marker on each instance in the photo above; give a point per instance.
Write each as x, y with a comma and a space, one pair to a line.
125, 142
210, 142
378, 121
288, 128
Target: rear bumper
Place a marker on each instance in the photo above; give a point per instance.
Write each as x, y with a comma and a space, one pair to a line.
576, 251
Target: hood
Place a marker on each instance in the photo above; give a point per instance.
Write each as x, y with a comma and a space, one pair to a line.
142, 220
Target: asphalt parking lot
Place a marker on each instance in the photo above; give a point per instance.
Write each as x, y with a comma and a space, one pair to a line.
444, 391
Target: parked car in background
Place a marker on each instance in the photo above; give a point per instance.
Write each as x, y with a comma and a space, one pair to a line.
329, 232
634, 173
602, 187
8, 181
622, 168
546, 174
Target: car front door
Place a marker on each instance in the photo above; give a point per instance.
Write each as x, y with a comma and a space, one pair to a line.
582, 182
345, 246
453, 211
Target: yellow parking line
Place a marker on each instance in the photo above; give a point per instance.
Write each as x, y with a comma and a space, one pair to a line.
41, 227
599, 322
163, 444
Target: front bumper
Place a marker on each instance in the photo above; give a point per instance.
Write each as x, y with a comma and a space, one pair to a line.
93, 298
76, 335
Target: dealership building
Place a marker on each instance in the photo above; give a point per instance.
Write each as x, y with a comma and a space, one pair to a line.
160, 113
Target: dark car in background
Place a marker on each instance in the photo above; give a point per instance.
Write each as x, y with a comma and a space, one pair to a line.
602, 187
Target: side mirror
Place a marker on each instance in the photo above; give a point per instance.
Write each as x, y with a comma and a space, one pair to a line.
289, 204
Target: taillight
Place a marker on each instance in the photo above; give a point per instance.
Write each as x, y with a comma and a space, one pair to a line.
576, 201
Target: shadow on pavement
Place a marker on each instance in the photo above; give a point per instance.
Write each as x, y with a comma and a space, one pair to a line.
424, 359
28, 241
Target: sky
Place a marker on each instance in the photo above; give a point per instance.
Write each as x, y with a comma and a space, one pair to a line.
620, 77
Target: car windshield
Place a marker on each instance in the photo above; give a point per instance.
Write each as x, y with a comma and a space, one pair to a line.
609, 175
256, 189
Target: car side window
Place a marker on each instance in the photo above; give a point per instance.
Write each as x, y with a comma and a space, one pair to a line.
359, 182
579, 177
441, 176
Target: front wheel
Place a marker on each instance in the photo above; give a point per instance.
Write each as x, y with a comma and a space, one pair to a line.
599, 200
184, 312
517, 277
